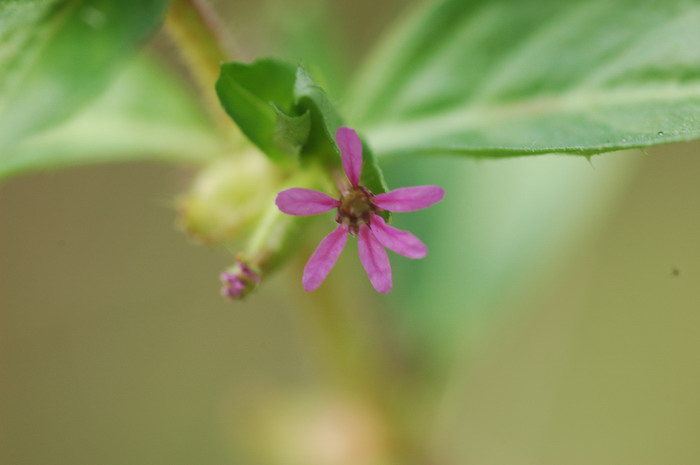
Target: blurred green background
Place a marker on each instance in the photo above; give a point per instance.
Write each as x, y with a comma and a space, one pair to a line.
117, 348
560, 302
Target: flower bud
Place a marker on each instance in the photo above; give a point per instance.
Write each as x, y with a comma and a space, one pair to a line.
239, 280
228, 197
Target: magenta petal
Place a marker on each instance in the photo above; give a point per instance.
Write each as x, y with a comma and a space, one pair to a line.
350, 153
407, 199
324, 258
303, 202
401, 242
375, 260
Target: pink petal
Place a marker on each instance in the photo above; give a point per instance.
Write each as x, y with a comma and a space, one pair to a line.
350, 153
407, 199
324, 258
401, 242
374, 259
304, 202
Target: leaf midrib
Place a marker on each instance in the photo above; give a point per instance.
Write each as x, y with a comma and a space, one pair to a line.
486, 114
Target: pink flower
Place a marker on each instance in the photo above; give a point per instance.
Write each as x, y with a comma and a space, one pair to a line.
358, 215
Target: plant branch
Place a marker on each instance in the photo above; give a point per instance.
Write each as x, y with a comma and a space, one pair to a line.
194, 28
354, 356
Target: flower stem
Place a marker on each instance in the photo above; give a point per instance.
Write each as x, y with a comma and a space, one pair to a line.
200, 39
356, 359
277, 233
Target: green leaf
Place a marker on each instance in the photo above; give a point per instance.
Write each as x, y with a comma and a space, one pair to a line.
144, 114
509, 77
257, 96
291, 132
56, 55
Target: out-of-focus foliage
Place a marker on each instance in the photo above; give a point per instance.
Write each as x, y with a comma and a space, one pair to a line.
125, 354
510, 77
484, 78
55, 55
145, 113
499, 222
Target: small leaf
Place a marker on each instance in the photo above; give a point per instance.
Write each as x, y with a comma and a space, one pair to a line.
325, 122
507, 77
253, 95
284, 111
56, 55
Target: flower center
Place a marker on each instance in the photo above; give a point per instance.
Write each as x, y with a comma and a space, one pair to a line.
355, 208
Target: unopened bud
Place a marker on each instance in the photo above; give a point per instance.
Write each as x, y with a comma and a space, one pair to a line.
228, 197
239, 280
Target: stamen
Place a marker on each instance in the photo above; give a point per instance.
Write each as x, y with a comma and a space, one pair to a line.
356, 208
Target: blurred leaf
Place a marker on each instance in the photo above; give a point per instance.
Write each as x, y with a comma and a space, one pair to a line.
507, 77
309, 32
145, 113
256, 96
55, 55
502, 227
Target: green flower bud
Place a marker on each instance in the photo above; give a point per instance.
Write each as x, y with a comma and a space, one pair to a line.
228, 197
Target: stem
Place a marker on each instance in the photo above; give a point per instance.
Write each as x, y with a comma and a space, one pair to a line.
273, 240
200, 39
277, 233
355, 360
